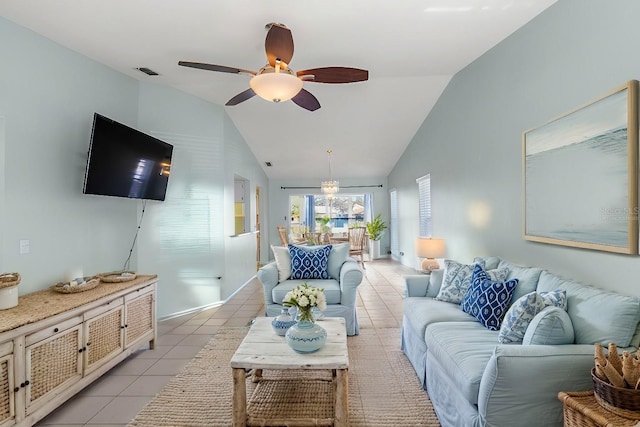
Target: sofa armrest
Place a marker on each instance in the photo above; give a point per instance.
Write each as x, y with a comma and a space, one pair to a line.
350, 279
268, 276
416, 285
521, 382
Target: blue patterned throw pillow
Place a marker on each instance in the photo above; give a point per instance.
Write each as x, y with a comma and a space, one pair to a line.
309, 262
521, 313
487, 300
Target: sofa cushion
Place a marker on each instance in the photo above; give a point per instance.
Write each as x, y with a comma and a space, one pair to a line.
490, 262
331, 289
598, 316
338, 255
551, 326
463, 350
524, 309
421, 312
309, 262
283, 262
487, 300
527, 278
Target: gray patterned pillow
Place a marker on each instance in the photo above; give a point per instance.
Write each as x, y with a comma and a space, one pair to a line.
457, 279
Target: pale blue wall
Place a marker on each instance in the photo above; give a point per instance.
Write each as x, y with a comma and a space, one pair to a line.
571, 54
48, 95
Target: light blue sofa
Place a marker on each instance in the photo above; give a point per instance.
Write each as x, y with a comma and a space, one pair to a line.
473, 380
340, 289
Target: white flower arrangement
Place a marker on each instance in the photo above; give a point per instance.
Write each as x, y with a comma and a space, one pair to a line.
304, 298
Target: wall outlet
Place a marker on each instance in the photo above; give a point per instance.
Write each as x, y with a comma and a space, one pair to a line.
24, 246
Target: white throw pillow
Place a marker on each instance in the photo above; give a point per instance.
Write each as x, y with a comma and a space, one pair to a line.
283, 262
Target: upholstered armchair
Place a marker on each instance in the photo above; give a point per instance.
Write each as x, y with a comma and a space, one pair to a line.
343, 276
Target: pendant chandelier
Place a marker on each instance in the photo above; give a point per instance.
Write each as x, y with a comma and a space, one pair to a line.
330, 187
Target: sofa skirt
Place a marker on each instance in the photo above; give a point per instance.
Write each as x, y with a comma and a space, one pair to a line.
415, 349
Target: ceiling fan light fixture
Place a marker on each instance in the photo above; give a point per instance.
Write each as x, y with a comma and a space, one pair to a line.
276, 87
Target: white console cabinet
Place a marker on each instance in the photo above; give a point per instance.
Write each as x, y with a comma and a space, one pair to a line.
52, 345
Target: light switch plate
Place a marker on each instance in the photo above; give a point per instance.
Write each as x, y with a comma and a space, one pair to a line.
24, 246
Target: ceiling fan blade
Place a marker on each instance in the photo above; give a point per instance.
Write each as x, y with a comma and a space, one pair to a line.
278, 44
335, 75
213, 67
241, 97
306, 100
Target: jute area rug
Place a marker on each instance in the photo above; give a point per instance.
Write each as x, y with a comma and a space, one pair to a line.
383, 388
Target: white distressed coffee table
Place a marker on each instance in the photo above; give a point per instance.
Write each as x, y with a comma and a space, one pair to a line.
263, 349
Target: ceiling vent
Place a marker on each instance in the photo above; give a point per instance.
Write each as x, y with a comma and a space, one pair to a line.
148, 71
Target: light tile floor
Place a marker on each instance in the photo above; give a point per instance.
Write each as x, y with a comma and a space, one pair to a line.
121, 393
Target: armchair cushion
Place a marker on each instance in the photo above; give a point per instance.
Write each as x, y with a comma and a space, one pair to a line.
309, 262
338, 255
331, 288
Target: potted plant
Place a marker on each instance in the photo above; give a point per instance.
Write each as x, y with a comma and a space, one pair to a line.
375, 229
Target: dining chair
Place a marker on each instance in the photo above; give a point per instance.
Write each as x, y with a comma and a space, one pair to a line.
357, 240
282, 232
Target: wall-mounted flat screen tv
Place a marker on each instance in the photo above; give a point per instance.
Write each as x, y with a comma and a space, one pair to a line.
125, 162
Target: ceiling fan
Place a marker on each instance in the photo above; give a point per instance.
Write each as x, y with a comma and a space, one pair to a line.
276, 82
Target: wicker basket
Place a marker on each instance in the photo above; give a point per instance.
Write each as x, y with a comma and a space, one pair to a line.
9, 279
63, 289
117, 276
621, 401
580, 409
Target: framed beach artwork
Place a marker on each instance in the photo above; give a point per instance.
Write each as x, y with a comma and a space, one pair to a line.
581, 176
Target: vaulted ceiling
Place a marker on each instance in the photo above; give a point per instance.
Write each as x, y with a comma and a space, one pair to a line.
412, 48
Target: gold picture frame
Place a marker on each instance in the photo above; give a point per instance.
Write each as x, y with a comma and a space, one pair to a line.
580, 175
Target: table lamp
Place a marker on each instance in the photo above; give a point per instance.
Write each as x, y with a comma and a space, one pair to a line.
429, 248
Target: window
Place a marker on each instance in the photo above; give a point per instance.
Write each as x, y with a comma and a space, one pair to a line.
424, 194
317, 212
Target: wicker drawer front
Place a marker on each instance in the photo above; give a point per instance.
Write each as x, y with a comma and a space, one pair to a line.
7, 409
52, 330
53, 362
139, 318
104, 337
